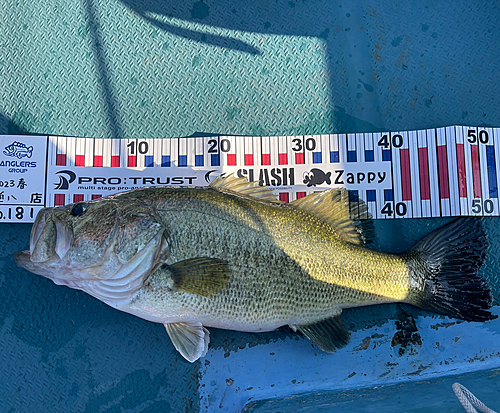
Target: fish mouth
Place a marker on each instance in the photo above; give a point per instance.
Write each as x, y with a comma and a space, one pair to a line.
49, 236
22, 259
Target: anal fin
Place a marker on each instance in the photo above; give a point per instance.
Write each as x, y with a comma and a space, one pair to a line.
189, 339
329, 335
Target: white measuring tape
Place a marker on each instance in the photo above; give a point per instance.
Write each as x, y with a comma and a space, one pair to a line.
451, 171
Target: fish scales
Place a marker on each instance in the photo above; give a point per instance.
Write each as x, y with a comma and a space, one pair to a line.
287, 266
232, 256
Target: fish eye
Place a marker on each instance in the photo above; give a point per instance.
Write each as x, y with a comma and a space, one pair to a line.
79, 209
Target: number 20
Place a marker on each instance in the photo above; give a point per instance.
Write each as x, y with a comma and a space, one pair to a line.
225, 145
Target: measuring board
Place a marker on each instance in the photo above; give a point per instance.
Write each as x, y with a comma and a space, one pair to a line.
443, 172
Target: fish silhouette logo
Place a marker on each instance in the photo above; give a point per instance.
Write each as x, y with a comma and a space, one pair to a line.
65, 178
18, 150
316, 177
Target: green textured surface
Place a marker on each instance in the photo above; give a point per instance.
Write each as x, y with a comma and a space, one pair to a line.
163, 68
158, 68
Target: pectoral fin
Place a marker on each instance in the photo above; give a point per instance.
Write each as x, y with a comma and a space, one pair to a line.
329, 335
189, 339
202, 276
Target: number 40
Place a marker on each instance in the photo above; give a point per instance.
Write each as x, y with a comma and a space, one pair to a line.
400, 209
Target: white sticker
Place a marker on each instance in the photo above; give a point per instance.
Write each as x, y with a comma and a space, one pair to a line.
22, 177
430, 173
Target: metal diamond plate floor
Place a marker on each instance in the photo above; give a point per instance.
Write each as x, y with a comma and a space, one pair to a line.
163, 68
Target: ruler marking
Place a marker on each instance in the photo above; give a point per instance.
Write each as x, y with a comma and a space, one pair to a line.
266, 151
231, 150
476, 173
47, 155
98, 156
406, 188
452, 169
334, 149
379, 157
198, 153
89, 145
182, 154
213, 148
492, 172
317, 151
289, 150
384, 156
469, 169
166, 153
58, 200
239, 148
435, 170
249, 151
435, 204
157, 153
494, 140
68, 150
423, 164
423, 159
324, 149
444, 187
404, 155
360, 150
487, 162
449, 171
351, 148
147, 152
297, 144
369, 152
106, 153
174, 152
131, 156
343, 149
462, 175
282, 150
397, 176
494, 137
414, 174
462, 171
80, 153
60, 151
116, 145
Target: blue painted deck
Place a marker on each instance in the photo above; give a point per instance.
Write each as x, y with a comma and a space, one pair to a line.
143, 68
290, 373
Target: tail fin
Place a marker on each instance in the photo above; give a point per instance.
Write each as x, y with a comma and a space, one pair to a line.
444, 271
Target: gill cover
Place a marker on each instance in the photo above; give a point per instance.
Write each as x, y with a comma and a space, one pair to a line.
136, 227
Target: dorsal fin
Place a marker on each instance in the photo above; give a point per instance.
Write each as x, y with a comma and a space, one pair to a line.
241, 186
341, 209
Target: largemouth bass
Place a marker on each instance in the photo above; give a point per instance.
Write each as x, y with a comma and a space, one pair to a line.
233, 257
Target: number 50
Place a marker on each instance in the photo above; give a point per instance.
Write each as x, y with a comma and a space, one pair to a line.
487, 206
